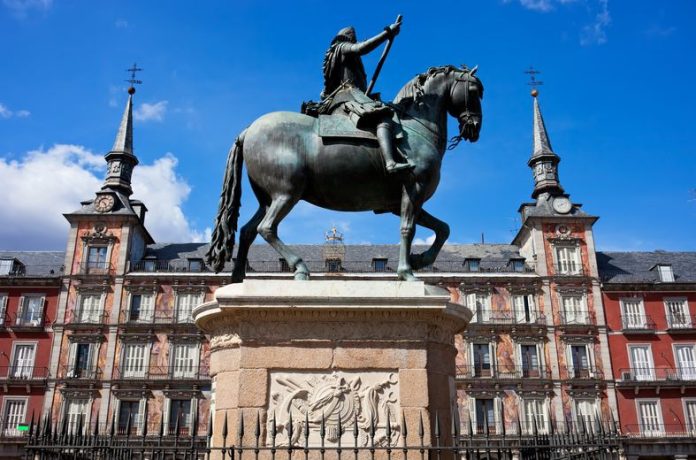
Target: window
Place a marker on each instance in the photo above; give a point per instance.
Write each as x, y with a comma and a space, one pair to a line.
481, 360
665, 273
472, 265
568, 260
650, 417
574, 309
134, 362
641, 362
96, 257
284, 266
80, 361
579, 365
677, 313
478, 303
149, 265
3, 307
90, 309
517, 265
530, 364
6, 266
690, 415
13, 415
76, 411
633, 315
184, 306
23, 361
523, 306
141, 308
685, 357
30, 311
535, 416
133, 411
195, 265
379, 265
586, 414
485, 416
184, 360
333, 265
179, 410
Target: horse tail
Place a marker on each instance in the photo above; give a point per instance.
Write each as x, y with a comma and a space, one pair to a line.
222, 241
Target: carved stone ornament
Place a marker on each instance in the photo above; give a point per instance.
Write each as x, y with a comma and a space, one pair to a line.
350, 397
99, 233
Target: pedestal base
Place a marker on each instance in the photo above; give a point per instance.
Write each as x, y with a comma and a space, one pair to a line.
362, 352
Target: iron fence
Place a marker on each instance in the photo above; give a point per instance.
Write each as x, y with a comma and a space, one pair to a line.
274, 440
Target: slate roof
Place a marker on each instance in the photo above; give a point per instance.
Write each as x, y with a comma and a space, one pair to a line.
638, 267
38, 264
262, 257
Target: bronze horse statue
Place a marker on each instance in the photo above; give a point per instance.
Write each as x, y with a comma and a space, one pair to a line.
288, 161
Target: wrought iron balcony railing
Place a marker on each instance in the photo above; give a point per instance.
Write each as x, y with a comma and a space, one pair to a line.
129, 318
95, 268
25, 321
23, 373
80, 373
162, 373
658, 430
676, 323
504, 372
577, 318
637, 323
508, 317
583, 373
573, 269
89, 318
658, 374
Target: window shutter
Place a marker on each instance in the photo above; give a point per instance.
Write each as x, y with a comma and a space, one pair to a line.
192, 415
498, 413
3, 308
590, 360
691, 416
146, 307
20, 310
472, 363
472, 414
72, 352
165, 415
492, 349
142, 415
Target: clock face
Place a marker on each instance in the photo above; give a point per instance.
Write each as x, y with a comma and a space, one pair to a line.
104, 203
562, 205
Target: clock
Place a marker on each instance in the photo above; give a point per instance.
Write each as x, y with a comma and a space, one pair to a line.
562, 205
104, 203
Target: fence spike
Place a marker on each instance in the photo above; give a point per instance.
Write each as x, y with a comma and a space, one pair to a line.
194, 424
388, 427
95, 432
31, 425
209, 431
355, 428
502, 418
273, 427
551, 428
240, 428
305, 428
144, 422
224, 427
372, 431
257, 428
421, 428
161, 427
128, 425
322, 427
290, 429
339, 427
404, 429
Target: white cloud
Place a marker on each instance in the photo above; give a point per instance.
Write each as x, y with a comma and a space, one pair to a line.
46, 183
6, 113
22, 7
595, 33
429, 240
151, 112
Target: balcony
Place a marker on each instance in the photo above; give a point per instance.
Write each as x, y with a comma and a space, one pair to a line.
580, 374
95, 269
79, 374
162, 373
572, 269
658, 430
23, 375
681, 324
491, 317
148, 320
503, 372
10, 434
88, 320
637, 324
656, 377
25, 322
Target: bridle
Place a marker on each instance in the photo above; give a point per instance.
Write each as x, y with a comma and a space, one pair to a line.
465, 117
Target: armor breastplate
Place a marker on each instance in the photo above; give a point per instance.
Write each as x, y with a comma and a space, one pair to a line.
354, 72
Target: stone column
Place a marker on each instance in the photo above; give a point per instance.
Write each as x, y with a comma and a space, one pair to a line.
348, 350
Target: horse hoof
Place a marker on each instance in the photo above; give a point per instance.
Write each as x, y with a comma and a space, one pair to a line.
406, 275
302, 276
237, 278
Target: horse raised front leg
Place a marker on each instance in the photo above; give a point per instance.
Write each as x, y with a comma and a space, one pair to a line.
409, 208
442, 232
268, 229
246, 237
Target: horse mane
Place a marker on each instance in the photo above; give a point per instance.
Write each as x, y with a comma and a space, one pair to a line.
413, 90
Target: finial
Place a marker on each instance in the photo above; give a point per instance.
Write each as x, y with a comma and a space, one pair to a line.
132, 80
533, 82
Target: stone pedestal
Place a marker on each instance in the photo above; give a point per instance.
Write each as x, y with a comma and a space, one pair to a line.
348, 350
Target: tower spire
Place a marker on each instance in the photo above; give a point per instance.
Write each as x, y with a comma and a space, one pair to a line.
121, 160
544, 161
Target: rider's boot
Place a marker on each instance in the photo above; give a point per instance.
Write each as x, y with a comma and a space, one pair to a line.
386, 145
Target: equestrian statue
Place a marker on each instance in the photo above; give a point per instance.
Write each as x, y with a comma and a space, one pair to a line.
349, 152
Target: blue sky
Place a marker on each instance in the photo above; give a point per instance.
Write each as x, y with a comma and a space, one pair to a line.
617, 98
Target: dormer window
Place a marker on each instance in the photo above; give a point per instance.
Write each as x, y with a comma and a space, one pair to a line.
379, 265
333, 265
517, 265
12, 267
665, 273
195, 265
472, 265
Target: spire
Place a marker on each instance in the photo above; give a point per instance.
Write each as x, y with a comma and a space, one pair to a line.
121, 160
544, 162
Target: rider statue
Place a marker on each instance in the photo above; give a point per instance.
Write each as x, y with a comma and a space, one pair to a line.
345, 86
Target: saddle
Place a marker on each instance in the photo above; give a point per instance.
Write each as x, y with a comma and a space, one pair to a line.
343, 127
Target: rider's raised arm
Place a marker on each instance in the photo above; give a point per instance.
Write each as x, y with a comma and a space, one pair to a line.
370, 44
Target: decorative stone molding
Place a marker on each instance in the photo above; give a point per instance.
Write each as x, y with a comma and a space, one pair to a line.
189, 286
194, 393
88, 286
132, 393
90, 337
182, 337
305, 398
79, 393
138, 337
149, 287
98, 234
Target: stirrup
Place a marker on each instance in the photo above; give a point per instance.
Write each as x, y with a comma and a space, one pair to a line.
396, 167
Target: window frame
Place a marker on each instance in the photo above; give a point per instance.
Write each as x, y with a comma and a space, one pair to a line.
12, 432
690, 373
651, 362
685, 312
4, 300
639, 417
690, 425
492, 370
13, 356
665, 269
22, 308
574, 264
145, 371
583, 308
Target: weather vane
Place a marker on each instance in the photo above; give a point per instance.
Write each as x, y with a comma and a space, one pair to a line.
132, 80
533, 82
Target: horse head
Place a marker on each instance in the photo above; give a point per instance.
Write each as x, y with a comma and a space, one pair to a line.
466, 92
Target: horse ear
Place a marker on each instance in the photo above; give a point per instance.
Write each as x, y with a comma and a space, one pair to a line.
472, 72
